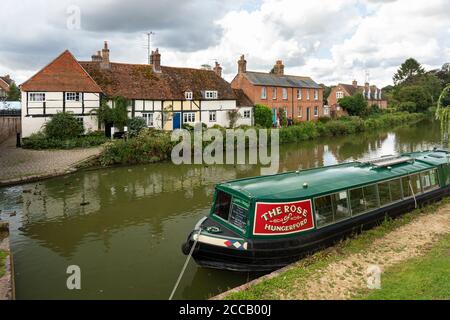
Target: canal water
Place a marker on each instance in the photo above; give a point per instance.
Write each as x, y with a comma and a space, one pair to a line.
124, 226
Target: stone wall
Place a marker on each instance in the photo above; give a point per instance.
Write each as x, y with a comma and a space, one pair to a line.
9, 126
7, 290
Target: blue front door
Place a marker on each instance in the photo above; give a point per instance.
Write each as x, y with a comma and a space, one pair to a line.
176, 120
274, 116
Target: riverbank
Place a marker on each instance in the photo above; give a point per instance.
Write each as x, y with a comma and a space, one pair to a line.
6, 270
341, 272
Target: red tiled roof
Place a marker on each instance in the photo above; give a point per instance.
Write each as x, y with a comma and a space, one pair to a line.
242, 99
138, 81
62, 74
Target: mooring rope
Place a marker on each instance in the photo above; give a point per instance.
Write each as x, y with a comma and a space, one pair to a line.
185, 266
414, 196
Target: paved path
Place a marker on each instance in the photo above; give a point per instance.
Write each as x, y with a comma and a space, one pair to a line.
19, 165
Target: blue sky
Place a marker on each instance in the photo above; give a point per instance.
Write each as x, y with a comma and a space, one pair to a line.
330, 40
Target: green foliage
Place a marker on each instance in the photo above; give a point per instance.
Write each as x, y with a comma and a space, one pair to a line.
14, 93
118, 115
355, 105
233, 117
443, 114
263, 116
407, 70
148, 147
39, 141
283, 117
416, 94
3, 255
63, 126
326, 93
135, 126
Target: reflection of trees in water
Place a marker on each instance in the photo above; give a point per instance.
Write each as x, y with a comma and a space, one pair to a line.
421, 136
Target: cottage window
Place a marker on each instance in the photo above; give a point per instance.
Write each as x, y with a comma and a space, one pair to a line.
316, 94
307, 94
72, 96
81, 121
210, 94
189, 117
274, 93
148, 117
326, 111
316, 111
300, 112
188, 95
212, 116
263, 93
247, 114
37, 97
299, 94
339, 95
285, 95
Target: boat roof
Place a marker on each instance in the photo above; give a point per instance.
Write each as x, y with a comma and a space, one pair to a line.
325, 180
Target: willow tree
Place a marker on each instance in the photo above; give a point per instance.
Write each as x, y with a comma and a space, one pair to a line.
443, 114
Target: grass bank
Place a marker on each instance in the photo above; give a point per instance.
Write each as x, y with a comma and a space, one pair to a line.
291, 279
3, 255
152, 146
424, 278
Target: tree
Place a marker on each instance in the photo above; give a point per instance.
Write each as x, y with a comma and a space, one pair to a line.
263, 116
326, 93
135, 126
118, 115
443, 74
14, 93
416, 94
355, 105
443, 114
407, 70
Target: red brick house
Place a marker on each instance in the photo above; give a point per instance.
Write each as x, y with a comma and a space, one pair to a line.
5, 84
301, 97
372, 94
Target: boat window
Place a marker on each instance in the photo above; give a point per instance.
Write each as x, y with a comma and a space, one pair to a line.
406, 188
323, 210
415, 183
384, 190
363, 199
396, 190
331, 208
429, 180
222, 205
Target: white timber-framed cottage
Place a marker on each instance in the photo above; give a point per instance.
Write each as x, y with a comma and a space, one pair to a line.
166, 97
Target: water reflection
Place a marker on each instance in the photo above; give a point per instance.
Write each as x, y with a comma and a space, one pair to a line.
124, 226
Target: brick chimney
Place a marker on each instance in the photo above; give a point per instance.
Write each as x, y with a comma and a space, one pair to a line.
278, 68
155, 60
242, 65
355, 83
218, 69
105, 63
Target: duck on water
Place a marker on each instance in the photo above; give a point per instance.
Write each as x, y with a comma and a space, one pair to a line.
265, 223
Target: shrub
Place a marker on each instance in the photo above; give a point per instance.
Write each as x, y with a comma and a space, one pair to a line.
407, 106
263, 116
63, 126
39, 141
283, 117
135, 126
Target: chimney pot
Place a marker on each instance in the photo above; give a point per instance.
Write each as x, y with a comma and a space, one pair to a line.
218, 69
155, 60
242, 65
355, 83
278, 68
105, 63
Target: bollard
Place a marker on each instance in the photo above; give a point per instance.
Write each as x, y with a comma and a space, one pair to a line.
18, 142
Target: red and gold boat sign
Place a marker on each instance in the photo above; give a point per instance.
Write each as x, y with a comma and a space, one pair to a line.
272, 219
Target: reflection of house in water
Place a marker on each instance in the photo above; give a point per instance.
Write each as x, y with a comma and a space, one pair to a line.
115, 199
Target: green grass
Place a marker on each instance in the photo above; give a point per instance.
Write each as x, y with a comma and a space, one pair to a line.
422, 278
3, 255
273, 289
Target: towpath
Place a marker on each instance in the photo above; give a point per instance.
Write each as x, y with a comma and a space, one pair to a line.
19, 165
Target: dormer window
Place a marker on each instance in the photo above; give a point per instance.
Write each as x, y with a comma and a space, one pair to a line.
188, 95
211, 95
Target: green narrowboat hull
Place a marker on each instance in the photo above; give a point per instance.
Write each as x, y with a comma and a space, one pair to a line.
277, 236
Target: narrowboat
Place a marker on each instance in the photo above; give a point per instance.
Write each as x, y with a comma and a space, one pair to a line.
265, 223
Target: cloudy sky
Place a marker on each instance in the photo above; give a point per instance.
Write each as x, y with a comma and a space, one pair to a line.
329, 40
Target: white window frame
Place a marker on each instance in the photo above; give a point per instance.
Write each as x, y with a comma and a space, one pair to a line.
299, 94
34, 95
212, 116
263, 93
188, 95
316, 111
300, 112
188, 117
307, 95
339, 94
211, 94
73, 96
247, 114
274, 93
316, 94
285, 94
149, 118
